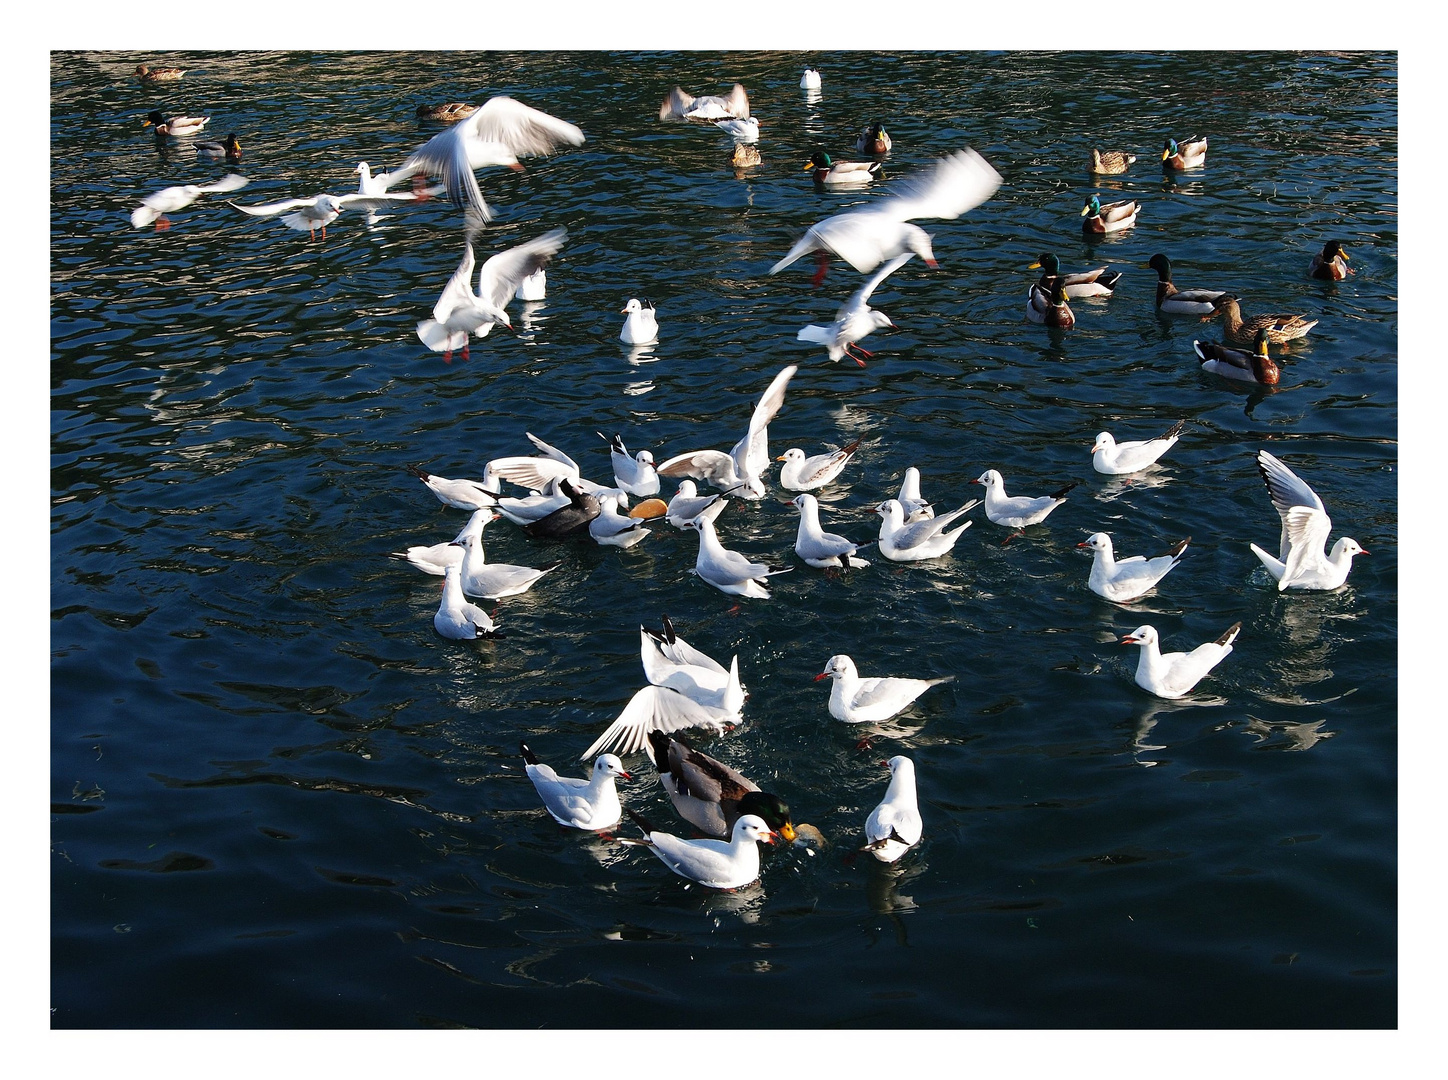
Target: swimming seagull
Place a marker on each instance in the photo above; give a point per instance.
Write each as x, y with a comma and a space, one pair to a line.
642, 325
436, 558
580, 804
869, 701
715, 864
459, 311
688, 504
817, 547
1302, 561
927, 538
800, 473
856, 319
1122, 580
500, 132
744, 130
370, 183
728, 571
671, 661
1020, 511
456, 618
739, 472
492, 581
460, 494
635, 475
1115, 459
613, 529
655, 708
320, 210
880, 230
1170, 675
894, 826
156, 206
810, 80
914, 507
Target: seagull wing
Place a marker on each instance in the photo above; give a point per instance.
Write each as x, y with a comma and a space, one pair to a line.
1307, 532
860, 300
229, 182
958, 182
458, 290
711, 466
553, 453
752, 451
522, 129
272, 209
500, 276
654, 708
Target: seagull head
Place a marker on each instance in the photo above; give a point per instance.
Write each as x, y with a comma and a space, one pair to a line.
1142, 635
837, 667
1104, 441
1096, 542
794, 453
609, 765
752, 827
990, 478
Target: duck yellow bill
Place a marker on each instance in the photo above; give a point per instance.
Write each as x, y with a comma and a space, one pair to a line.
787, 831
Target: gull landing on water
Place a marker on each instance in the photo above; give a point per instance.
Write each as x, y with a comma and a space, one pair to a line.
741, 471
1171, 675
321, 210
671, 661
156, 206
855, 320
1302, 562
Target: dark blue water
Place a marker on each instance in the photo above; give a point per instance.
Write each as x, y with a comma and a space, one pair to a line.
279, 799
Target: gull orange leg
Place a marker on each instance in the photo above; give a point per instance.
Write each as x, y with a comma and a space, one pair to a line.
821, 268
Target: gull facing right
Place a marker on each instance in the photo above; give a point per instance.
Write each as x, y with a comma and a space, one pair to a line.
856, 319
715, 864
1302, 561
580, 804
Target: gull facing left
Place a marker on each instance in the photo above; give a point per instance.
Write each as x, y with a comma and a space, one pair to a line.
1116, 459
1126, 579
1171, 675
856, 700
156, 206
321, 210
728, 571
800, 473
1018, 511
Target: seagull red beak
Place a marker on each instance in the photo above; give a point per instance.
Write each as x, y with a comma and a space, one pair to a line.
822, 675
626, 775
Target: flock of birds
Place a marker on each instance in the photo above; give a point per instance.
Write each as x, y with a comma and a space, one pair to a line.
686, 689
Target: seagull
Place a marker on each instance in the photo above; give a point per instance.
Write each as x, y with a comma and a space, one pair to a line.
459, 311
855, 320
654, 708
580, 804
156, 206
681, 106
1116, 459
501, 131
614, 529
1122, 580
800, 473
740, 471
880, 230
1302, 562
456, 618
1239, 365
532, 288
671, 661
537, 473
894, 826
728, 571
635, 475
744, 130
376, 184
436, 558
493, 581
708, 794
534, 507
1020, 511
716, 864
911, 504
688, 504
459, 494
321, 210
817, 547
642, 325
869, 701
810, 80
914, 541
1170, 675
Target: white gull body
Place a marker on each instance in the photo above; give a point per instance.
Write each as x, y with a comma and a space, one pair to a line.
688, 504
1019, 511
894, 827
635, 475
717, 864
456, 618
914, 541
800, 473
817, 547
436, 558
460, 494
857, 700
492, 581
728, 571
1302, 562
1171, 675
580, 804
671, 661
614, 529
1116, 459
741, 471
856, 319
168, 200
641, 326
1122, 580
911, 502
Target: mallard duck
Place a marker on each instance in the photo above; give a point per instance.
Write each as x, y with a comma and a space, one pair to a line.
1110, 163
229, 148
1173, 301
1188, 154
873, 140
1099, 282
1108, 218
1279, 328
841, 173
175, 125
1050, 308
745, 156
708, 794
150, 76
1253, 367
1331, 264
449, 113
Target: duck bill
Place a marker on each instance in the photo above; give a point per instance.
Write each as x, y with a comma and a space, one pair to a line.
787, 831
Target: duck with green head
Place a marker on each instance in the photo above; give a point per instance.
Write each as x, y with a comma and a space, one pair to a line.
831, 173
1108, 217
1252, 367
1331, 263
1099, 282
1050, 309
1188, 154
1173, 301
